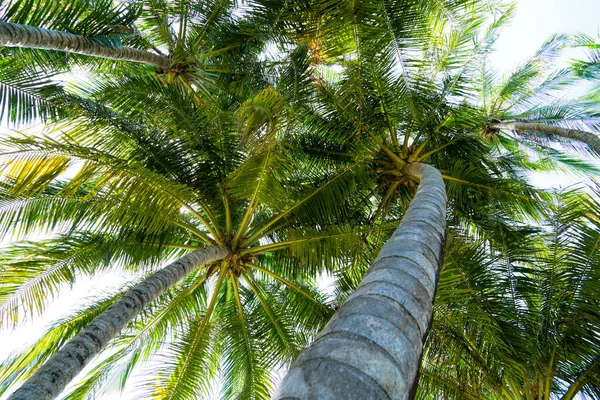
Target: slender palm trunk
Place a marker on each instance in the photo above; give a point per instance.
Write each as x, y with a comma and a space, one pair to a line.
62, 367
592, 140
17, 35
372, 347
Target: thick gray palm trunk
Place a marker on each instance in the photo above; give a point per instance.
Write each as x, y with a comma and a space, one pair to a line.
17, 35
371, 348
592, 140
50, 380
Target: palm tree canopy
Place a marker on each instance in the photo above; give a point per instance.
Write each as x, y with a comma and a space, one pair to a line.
523, 323
295, 160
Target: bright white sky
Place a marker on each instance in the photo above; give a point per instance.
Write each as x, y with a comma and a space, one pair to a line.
537, 20
534, 22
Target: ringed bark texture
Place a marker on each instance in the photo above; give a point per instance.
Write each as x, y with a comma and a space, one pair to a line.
592, 140
17, 35
372, 347
52, 377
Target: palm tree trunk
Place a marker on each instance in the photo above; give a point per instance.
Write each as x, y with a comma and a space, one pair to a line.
372, 347
49, 381
17, 35
588, 138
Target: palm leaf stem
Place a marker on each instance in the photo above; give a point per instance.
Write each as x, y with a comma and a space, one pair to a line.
581, 380
240, 308
253, 202
252, 285
550, 376
427, 154
386, 199
458, 180
393, 157
215, 229
393, 135
207, 239
415, 156
182, 22
228, 225
407, 136
401, 61
282, 280
288, 243
263, 231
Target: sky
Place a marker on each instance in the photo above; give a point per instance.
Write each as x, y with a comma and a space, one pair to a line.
534, 22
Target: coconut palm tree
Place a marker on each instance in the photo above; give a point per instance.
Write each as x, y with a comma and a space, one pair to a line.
49, 380
188, 44
531, 100
127, 193
104, 27
409, 113
147, 189
521, 103
402, 120
17, 35
381, 114
369, 347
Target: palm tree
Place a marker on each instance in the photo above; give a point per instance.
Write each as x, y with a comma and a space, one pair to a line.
104, 26
591, 139
26, 81
148, 191
518, 103
368, 348
531, 99
401, 120
189, 44
425, 123
163, 156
